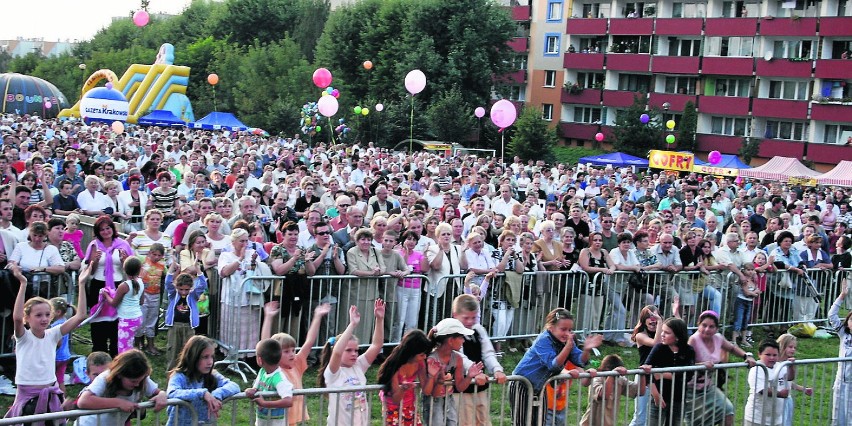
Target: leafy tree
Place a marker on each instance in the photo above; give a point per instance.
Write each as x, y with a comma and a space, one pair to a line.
25, 64
64, 73
5, 60
244, 21
633, 137
750, 149
533, 139
450, 117
687, 126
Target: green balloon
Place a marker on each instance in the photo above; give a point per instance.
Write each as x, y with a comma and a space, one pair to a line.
357, 110
319, 129
670, 139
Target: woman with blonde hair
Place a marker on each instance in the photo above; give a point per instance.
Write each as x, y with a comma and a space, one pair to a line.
241, 300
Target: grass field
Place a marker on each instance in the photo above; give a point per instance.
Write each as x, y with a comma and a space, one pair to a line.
815, 410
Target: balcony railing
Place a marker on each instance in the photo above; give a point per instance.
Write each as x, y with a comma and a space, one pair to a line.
788, 27
833, 68
679, 26
730, 27
726, 105
781, 67
780, 108
724, 65
675, 64
586, 61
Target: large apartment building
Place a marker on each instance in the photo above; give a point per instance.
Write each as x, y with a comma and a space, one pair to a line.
780, 71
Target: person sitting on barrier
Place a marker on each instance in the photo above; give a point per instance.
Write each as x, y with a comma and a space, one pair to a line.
194, 380
476, 348
673, 350
605, 392
842, 404
294, 363
765, 405
787, 344
445, 364
341, 367
646, 336
552, 352
270, 378
400, 373
122, 386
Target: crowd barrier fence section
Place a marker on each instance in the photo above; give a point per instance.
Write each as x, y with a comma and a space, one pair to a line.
150, 417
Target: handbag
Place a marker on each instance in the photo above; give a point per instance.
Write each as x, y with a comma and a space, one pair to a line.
638, 281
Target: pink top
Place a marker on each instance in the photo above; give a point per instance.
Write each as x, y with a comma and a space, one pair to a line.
75, 238
413, 261
704, 354
409, 397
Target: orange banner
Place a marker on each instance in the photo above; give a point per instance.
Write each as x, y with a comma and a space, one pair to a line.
670, 160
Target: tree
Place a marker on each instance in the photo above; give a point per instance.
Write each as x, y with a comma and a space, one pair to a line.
687, 126
750, 149
25, 64
533, 139
450, 117
633, 137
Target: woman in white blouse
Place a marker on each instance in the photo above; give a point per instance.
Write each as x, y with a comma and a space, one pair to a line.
36, 256
625, 259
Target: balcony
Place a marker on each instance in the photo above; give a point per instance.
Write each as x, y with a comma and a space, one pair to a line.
780, 67
724, 105
586, 26
780, 108
831, 111
639, 62
519, 44
835, 26
770, 148
788, 27
840, 69
585, 61
675, 64
832, 154
629, 26
585, 97
679, 26
730, 27
723, 65
516, 77
725, 144
676, 101
618, 98
521, 13
582, 131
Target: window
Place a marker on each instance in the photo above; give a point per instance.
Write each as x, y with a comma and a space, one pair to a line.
666, 116
518, 93
738, 87
519, 62
729, 126
730, 46
552, 42
739, 9
792, 90
631, 44
799, 5
837, 134
554, 11
550, 79
593, 44
590, 80
681, 85
684, 47
588, 115
840, 46
596, 10
793, 49
835, 90
689, 10
634, 82
547, 112
795, 131
633, 10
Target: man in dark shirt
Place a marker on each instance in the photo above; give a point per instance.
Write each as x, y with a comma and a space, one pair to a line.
580, 227
64, 203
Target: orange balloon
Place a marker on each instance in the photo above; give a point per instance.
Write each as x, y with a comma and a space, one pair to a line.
213, 79
368, 65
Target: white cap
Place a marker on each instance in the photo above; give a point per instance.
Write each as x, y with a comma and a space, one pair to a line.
449, 326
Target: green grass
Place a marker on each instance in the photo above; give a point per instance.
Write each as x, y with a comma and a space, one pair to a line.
571, 154
818, 407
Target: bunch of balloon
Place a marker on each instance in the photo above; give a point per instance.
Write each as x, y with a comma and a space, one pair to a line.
503, 115
309, 118
342, 129
415, 82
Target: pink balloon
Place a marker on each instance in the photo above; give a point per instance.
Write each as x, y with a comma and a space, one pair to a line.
380, 107
48, 105
479, 112
327, 105
503, 113
322, 78
599, 137
715, 157
415, 81
335, 93
141, 18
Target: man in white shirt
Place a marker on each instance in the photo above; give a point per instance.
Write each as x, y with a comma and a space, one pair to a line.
120, 164
307, 237
503, 204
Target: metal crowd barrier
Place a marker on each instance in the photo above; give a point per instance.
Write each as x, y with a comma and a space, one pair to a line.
151, 418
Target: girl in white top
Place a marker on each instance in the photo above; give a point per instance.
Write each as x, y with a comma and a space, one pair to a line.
340, 366
126, 301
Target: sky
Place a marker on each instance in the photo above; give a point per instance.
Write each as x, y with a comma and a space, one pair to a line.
58, 20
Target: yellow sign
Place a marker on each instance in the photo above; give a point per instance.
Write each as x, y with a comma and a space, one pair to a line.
804, 181
437, 147
716, 171
670, 160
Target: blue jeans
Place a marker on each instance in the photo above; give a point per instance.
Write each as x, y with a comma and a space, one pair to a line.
714, 298
640, 409
554, 417
742, 313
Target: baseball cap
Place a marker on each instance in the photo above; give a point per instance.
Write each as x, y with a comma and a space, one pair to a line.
449, 326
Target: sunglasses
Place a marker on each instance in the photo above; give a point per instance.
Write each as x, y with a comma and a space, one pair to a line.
323, 233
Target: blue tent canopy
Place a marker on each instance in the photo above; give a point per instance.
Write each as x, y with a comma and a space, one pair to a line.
615, 159
729, 161
219, 121
161, 118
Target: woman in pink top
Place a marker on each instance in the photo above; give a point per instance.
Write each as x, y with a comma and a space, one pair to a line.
408, 289
705, 402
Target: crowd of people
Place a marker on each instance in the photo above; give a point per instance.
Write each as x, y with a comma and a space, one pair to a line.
187, 216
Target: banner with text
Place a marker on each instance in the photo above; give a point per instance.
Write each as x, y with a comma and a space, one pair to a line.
671, 160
